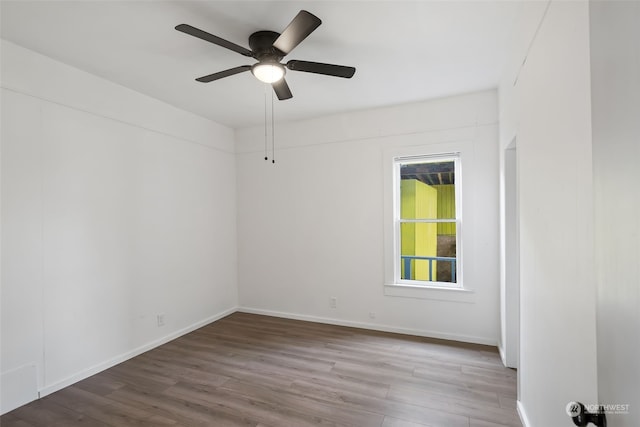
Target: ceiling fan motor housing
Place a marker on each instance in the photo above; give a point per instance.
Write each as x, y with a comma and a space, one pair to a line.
261, 43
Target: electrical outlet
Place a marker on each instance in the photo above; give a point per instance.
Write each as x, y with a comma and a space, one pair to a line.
160, 319
333, 303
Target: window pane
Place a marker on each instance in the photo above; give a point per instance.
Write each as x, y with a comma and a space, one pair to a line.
428, 252
427, 190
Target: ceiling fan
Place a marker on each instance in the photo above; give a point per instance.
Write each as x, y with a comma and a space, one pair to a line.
269, 47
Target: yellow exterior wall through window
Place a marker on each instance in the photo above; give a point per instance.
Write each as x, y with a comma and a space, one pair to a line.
446, 208
418, 201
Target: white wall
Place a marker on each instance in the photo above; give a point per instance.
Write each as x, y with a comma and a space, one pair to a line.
311, 226
115, 208
615, 85
549, 111
527, 20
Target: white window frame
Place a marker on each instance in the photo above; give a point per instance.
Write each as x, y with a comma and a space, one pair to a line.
442, 291
398, 161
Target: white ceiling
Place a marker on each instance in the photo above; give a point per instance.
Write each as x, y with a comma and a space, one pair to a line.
403, 51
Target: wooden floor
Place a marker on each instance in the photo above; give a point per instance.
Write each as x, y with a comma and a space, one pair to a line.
249, 370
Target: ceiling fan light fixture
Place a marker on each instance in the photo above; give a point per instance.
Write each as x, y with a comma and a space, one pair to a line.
268, 72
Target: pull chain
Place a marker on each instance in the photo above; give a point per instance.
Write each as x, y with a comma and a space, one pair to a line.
266, 139
273, 139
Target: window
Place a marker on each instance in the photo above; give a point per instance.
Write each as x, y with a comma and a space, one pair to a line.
427, 220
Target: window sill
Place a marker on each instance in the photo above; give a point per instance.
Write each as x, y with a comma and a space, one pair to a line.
438, 293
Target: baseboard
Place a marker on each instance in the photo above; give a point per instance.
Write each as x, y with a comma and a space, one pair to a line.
372, 326
503, 357
19, 386
523, 415
130, 354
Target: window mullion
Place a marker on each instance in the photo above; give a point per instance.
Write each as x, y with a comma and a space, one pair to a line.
445, 221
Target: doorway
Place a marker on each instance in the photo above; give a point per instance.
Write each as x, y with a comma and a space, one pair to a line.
512, 258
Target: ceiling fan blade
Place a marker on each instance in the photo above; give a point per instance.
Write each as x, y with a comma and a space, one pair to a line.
281, 88
195, 32
302, 25
225, 73
321, 68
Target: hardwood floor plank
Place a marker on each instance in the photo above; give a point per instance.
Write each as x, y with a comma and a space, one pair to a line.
346, 383
483, 423
382, 406
339, 414
106, 410
470, 408
177, 373
78, 399
81, 422
454, 390
255, 406
247, 370
12, 420
45, 412
508, 402
470, 381
99, 385
394, 422
501, 373
184, 411
125, 415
